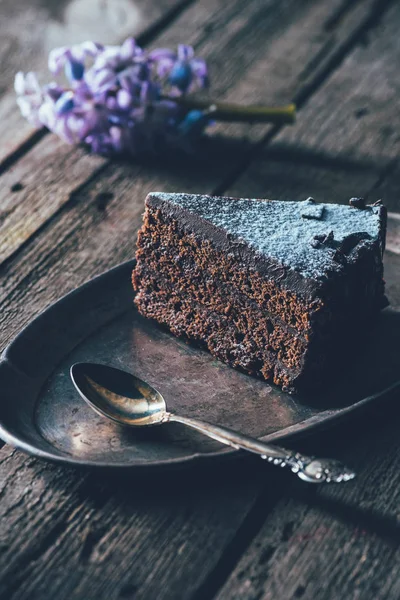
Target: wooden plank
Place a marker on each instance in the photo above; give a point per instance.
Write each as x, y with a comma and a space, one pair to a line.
21, 217
340, 542
101, 536
336, 542
29, 30
144, 556
56, 565
261, 43
319, 176
111, 222
354, 116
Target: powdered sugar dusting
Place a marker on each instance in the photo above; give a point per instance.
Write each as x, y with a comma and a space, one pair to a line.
279, 230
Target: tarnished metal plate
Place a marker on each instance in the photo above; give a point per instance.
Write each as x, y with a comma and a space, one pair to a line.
41, 413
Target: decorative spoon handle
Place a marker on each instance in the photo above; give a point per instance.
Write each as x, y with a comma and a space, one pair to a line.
308, 468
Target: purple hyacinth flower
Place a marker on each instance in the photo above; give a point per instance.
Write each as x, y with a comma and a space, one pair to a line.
188, 73
163, 60
119, 99
29, 96
100, 81
47, 115
129, 50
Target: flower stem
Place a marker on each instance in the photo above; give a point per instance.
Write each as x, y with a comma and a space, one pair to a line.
223, 111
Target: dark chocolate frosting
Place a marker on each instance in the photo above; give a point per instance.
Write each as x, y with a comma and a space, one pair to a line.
304, 245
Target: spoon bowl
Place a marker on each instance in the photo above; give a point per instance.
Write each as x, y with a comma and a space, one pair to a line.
119, 395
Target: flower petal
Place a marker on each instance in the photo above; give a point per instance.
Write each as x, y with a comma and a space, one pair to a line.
47, 115
19, 83
162, 54
128, 49
31, 84
185, 53
53, 91
74, 70
181, 76
92, 48
57, 58
124, 99
65, 103
199, 68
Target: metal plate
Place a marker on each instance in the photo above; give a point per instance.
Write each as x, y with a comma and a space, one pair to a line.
41, 413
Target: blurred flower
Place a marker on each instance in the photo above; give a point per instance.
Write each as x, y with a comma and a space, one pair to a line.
187, 73
117, 99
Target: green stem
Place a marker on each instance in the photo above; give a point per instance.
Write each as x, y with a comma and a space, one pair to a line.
224, 111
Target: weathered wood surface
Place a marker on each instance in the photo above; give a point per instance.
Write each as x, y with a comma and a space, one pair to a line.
334, 542
92, 536
353, 120
102, 214
267, 42
356, 109
235, 532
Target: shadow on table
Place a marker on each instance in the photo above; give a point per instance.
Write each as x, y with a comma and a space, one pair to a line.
214, 158
363, 521
370, 368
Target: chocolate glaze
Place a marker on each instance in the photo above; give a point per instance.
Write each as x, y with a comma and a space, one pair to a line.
277, 238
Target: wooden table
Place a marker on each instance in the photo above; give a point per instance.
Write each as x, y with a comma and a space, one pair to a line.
247, 532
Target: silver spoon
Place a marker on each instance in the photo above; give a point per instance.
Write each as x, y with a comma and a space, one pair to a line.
128, 400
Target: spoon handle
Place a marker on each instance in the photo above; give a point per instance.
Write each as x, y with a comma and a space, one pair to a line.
308, 468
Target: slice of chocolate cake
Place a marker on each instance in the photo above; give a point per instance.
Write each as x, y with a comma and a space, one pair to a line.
278, 289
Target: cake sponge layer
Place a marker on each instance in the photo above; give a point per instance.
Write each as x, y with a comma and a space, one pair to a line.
216, 333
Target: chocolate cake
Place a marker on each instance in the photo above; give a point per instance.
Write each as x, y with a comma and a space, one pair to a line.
277, 289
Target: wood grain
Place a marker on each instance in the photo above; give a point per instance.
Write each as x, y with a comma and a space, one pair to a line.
282, 37
99, 232
388, 186
26, 42
96, 230
336, 542
353, 117
102, 536
312, 174
132, 533
77, 535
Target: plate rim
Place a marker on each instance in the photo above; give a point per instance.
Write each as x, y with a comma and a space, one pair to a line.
289, 433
